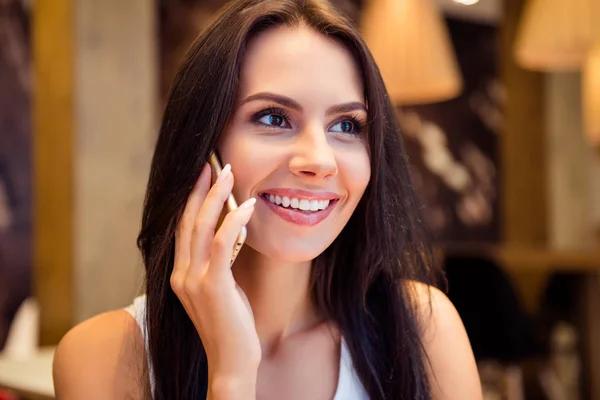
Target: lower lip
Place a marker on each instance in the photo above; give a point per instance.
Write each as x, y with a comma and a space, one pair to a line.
299, 217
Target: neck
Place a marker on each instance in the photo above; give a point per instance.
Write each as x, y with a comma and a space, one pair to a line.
278, 293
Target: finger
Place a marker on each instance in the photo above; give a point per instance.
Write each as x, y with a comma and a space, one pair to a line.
206, 221
183, 233
226, 237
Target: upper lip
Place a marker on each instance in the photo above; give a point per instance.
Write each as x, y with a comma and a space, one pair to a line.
302, 194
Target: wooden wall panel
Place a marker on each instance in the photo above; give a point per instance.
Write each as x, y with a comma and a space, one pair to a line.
522, 144
53, 132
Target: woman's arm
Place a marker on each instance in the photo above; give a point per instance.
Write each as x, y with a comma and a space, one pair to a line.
101, 358
453, 372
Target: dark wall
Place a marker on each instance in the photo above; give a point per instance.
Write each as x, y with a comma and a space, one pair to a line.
462, 206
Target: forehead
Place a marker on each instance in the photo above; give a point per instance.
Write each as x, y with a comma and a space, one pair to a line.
301, 63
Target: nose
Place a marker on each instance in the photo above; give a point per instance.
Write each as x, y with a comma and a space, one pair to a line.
313, 156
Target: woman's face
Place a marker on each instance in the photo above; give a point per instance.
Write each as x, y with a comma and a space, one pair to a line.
296, 142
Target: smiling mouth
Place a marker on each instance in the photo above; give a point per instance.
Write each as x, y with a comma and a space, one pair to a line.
297, 204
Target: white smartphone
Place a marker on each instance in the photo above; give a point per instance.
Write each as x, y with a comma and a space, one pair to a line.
231, 204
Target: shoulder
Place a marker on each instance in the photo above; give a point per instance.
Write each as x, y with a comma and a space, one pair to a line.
452, 368
103, 357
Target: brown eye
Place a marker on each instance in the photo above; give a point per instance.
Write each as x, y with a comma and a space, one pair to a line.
272, 118
347, 126
275, 120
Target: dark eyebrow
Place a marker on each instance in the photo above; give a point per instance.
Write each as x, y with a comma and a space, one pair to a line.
346, 108
294, 105
284, 101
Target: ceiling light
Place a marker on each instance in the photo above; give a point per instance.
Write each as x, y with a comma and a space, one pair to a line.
467, 2
411, 45
555, 35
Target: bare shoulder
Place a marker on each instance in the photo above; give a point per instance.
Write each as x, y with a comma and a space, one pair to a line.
453, 371
101, 358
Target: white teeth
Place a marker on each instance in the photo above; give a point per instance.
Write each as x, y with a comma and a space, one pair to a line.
314, 205
302, 204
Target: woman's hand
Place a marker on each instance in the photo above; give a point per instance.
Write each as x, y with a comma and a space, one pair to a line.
203, 282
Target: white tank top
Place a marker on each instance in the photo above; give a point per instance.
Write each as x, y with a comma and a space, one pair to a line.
349, 386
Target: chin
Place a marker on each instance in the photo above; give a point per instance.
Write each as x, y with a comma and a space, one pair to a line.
289, 249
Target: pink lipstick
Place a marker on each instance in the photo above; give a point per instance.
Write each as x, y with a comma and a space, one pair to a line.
300, 207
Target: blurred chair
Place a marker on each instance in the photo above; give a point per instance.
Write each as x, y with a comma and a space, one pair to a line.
500, 331
561, 327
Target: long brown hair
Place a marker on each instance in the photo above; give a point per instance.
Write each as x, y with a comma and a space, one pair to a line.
359, 282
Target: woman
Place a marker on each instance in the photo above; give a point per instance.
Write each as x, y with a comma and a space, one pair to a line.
330, 296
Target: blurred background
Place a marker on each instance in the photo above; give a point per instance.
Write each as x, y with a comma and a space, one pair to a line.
499, 101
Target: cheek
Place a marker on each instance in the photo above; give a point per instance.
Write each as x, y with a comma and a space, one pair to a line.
249, 162
356, 174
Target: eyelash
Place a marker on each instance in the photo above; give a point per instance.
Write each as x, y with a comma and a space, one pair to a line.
273, 110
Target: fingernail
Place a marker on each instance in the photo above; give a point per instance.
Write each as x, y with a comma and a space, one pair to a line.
248, 203
224, 174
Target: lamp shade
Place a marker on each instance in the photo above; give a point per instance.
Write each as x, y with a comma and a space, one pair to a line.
554, 35
591, 96
411, 45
